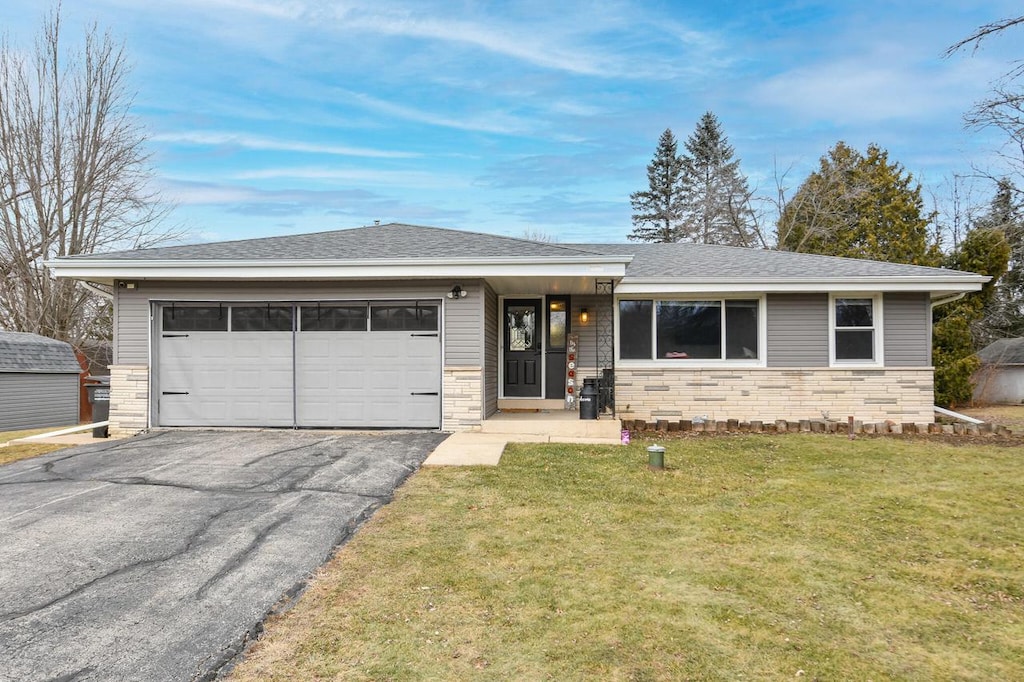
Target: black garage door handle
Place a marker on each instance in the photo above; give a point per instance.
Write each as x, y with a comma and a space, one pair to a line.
174, 392
175, 336
424, 393
434, 334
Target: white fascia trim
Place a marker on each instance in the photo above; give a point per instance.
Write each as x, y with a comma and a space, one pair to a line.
101, 270
859, 284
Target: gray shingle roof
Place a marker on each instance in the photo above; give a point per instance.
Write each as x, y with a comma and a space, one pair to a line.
707, 261
1003, 352
21, 352
380, 242
397, 241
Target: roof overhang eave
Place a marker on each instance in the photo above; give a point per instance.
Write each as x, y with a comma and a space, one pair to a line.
936, 285
107, 271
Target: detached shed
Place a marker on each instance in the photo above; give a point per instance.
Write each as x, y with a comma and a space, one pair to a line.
1001, 377
38, 382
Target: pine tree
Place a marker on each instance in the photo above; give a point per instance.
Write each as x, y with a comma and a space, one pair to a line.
1005, 316
658, 210
715, 195
860, 206
984, 250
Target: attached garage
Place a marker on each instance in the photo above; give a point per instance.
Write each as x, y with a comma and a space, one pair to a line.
374, 364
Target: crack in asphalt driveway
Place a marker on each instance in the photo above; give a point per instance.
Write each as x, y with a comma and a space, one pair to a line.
159, 557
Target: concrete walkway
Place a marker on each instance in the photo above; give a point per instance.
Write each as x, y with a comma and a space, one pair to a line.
484, 448
468, 449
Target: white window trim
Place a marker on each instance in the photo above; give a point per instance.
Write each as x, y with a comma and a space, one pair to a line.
877, 327
695, 363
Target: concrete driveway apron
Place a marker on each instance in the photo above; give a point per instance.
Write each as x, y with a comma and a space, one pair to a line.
158, 557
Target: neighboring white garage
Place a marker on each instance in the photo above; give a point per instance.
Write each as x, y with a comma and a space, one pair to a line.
374, 364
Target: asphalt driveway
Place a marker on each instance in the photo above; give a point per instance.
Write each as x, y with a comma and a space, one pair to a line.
158, 557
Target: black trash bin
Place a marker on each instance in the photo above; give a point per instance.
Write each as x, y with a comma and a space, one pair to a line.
99, 398
606, 391
588, 399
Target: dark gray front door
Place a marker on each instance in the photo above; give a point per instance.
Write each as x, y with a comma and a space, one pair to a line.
522, 327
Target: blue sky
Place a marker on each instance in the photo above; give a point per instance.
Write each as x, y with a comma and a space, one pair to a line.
274, 117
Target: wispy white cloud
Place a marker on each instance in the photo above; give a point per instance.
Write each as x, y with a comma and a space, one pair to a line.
508, 41
358, 176
491, 121
255, 142
882, 85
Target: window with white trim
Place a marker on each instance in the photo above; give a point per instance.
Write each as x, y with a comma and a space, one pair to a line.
707, 329
855, 329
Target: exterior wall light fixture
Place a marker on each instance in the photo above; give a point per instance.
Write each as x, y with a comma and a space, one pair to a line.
584, 316
458, 292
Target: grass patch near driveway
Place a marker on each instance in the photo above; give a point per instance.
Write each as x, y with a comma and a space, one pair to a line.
751, 557
12, 452
1010, 416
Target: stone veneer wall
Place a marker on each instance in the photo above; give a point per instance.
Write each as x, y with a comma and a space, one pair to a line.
463, 398
899, 394
129, 399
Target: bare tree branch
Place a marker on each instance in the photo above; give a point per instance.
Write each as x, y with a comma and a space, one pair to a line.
74, 176
981, 33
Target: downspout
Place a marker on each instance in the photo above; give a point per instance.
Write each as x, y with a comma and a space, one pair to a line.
949, 299
109, 295
941, 410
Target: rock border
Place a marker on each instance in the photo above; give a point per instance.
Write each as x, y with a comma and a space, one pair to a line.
849, 427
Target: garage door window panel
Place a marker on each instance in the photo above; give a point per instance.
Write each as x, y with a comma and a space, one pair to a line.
261, 318
195, 319
404, 317
333, 318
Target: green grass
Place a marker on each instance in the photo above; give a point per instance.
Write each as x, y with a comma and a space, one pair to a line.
17, 451
750, 558
1010, 416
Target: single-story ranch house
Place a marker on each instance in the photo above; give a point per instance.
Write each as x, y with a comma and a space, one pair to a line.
405, 326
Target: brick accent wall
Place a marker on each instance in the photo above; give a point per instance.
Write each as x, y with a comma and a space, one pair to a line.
463, 398
129, 399
899, 394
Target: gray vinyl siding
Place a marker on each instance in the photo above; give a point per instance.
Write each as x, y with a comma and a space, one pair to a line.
491, 351
131, 326
587, 354
462, 331
906, 322
797, 330
34, 401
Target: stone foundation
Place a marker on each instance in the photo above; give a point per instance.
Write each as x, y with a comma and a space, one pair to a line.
868, 395
463, 391
129, 399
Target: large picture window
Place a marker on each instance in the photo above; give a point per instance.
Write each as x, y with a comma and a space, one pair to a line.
855, 330
712, 329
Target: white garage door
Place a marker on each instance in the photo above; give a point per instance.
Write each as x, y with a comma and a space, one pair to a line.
312, 364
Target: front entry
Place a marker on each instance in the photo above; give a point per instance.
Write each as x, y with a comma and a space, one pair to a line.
522, 348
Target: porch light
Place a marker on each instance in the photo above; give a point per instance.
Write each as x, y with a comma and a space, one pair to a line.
458, 292
584, 316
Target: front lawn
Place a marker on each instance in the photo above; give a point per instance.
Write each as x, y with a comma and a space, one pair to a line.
754, 557
12, 452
